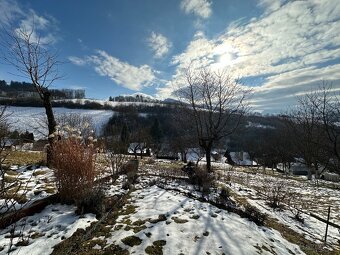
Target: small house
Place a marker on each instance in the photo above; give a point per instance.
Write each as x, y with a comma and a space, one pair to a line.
240, 158
139, 149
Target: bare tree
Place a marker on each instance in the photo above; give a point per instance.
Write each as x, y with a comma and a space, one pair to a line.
82, 123
305, 122
4, 132
34, 60
328, 105
214, 103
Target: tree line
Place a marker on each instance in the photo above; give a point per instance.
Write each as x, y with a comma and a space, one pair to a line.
19, 89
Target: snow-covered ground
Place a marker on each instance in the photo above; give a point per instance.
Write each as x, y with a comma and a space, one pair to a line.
160, 219
300, 193
33, 184
192, 227
38, 234
32, 119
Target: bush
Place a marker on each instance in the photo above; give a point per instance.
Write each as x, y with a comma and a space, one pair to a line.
92, 202
224, 194
255, 215
201, 178
73, 165
275, 192
131, 169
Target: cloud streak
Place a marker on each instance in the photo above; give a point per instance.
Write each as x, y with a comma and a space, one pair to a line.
10, 10
291, 41
44, 29
122, 73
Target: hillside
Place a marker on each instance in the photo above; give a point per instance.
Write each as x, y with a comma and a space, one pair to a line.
32, 119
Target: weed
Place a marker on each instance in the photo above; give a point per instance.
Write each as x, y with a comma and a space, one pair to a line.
132, 240
179, 220
156, 248
39, 172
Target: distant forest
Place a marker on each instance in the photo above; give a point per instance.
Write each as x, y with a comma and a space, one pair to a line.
16, 89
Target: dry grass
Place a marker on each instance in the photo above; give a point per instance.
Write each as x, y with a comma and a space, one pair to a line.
15, 194
39, 172
25, 158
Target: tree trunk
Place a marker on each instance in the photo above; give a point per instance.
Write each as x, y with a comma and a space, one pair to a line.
309, 173
208, 158
229, 159
184, 156
51, 123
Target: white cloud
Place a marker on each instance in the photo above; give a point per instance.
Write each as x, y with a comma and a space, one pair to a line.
123, 73
290, 38
77, 61
9, 11
159, 44
270, 5
201, 8
43, 28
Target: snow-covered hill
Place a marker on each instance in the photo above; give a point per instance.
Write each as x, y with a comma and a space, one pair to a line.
106, 103
32, 119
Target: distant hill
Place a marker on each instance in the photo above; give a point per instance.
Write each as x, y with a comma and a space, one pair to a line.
25, 90
135, 97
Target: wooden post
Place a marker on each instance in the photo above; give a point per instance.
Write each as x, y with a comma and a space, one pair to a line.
329, 212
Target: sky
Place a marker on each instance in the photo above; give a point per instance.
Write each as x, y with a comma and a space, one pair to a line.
279, 48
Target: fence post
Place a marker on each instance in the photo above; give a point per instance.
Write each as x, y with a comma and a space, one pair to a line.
329, 212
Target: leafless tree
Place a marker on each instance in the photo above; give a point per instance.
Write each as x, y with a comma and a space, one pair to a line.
33, 59
82, 123
214, 103
4, 132
305, 122
141, 141
117, 161
328, 105
13, 191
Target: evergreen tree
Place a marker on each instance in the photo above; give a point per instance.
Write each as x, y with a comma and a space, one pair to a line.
124, 135
156, 132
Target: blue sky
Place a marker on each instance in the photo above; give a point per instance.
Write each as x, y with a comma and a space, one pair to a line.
280, 48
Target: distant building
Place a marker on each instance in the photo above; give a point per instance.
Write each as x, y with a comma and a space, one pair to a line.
74, 93
327, 176
240, 158
166, 152
295, 168
28, 94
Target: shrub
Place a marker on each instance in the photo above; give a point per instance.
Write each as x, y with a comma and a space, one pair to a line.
202, 179
275, 192
224, 194
255, 215
73, 165
93, 202
131, 169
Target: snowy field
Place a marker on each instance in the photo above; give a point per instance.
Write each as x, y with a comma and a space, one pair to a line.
32, 118
179, 224
160, 220
300, 193
30, 185
38, 234
190, 227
